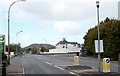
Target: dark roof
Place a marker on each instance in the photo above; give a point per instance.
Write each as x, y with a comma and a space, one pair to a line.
66, 42
62, 42
73, 43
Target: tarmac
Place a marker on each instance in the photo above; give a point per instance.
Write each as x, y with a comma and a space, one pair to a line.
15, 69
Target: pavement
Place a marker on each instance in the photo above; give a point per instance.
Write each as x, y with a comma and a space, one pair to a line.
15, 67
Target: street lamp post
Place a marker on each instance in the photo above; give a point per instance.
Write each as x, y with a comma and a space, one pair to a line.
16, 40
9, 29
97, 4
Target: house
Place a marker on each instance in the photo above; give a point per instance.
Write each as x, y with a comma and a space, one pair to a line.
65, 46
68, 45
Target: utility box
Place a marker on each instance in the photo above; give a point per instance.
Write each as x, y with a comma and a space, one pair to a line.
76, 60
106, 64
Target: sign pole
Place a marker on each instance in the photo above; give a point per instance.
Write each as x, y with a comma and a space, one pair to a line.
2, 52
97, 3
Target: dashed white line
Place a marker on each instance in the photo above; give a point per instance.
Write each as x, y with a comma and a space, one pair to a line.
72, 73
48, 63
23, 71
55, 66
59, 67
51, 64
15, 73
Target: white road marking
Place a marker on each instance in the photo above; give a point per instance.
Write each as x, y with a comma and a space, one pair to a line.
48, 63
72, 73
23, 71
59, 67
14, 73
54, 66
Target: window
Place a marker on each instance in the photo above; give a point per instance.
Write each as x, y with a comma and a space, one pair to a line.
74, 44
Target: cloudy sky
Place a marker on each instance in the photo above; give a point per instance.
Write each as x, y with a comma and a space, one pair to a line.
48, 21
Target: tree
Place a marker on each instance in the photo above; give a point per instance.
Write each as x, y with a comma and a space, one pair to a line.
12, 48
109, 33
43, 49
34, 50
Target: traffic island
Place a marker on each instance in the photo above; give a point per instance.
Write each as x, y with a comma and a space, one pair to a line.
89, 71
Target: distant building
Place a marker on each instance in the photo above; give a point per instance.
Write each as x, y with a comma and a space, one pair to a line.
68, 45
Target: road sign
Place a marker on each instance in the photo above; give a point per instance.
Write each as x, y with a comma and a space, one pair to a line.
2, 43
96, 46
1, 38
107, 61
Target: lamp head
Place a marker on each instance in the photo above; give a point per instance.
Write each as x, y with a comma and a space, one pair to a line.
97, 4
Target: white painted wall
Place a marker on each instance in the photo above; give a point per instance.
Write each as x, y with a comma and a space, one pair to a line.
64, 50
71, 48
59, 46
11, 54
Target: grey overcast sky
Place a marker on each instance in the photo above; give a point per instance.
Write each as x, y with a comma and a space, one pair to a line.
48, 21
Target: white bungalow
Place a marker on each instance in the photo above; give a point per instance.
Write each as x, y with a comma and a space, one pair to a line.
66, 47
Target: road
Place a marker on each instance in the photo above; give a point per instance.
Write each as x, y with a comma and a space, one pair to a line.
63, 60
50, 64
31, 64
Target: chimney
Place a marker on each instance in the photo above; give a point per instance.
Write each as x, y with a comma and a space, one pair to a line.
64, 39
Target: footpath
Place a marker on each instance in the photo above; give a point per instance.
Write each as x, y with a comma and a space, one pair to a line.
15, 67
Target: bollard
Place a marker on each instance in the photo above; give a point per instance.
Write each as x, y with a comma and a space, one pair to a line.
119, 63
106, 64
76, 60
3, 69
